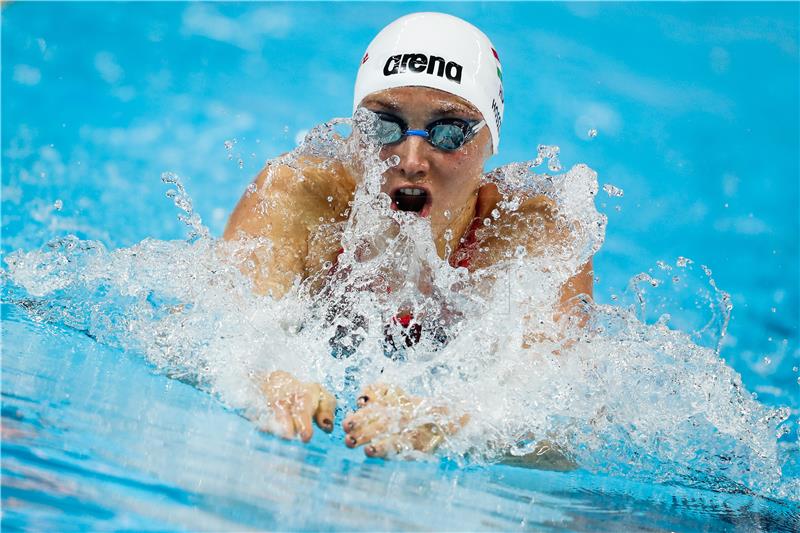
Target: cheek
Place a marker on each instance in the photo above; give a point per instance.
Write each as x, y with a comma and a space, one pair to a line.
460, 180
461, 172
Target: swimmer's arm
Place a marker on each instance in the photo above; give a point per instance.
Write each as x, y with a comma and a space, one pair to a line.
541, 213
285, 205
579, 285
535, 226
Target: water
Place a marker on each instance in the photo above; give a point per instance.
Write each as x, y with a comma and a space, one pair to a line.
97, 436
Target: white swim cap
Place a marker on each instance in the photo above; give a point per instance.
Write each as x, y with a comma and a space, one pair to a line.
438, 51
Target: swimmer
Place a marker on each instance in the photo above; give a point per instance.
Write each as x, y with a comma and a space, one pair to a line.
435, 83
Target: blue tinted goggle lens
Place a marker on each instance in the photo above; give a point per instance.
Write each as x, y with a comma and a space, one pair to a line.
445, 134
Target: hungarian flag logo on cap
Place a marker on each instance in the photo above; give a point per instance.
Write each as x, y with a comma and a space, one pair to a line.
497, 57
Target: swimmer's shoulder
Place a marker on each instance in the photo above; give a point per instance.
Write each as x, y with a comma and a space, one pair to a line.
289, 193
539, 206
534, 206
312, 177
530, 223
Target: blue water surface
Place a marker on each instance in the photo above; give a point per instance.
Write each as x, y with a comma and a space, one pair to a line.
697, 114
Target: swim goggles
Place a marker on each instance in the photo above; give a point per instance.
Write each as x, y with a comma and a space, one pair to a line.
446, 134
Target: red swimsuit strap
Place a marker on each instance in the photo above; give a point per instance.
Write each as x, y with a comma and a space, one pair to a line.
461, 256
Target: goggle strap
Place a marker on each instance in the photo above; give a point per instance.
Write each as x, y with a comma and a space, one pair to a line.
476, 128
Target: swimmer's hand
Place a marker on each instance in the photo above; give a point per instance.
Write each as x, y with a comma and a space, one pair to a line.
295, 403
390, 422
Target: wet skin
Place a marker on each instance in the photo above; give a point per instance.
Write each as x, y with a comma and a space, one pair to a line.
384, 423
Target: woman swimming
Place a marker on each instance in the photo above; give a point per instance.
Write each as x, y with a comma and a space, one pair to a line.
434, 83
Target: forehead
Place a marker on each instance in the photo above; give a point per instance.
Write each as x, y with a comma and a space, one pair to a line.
421, 99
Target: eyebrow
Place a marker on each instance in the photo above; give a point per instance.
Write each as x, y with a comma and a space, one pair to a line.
450, 107
445, 108
387, 104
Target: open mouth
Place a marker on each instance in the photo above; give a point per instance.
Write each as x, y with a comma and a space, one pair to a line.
414, 199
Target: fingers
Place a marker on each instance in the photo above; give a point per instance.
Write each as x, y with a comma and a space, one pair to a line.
283, 421
374, 394
302, 410
386, 423
383, 394
384, 447
296, 405
425, 438
364, 425
325, 410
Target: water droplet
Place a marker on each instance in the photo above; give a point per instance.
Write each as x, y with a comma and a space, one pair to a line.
683, 261
613, 191
446, 214
487, 222
58, 204
592, 133
520, 251
495, 214
551, 154
330, 199
767, 361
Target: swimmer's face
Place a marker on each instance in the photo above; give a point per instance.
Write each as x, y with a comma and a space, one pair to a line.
449, 179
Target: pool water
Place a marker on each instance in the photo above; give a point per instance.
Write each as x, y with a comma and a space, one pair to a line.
695, 112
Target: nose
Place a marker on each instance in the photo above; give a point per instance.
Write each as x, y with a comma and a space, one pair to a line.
414, 155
